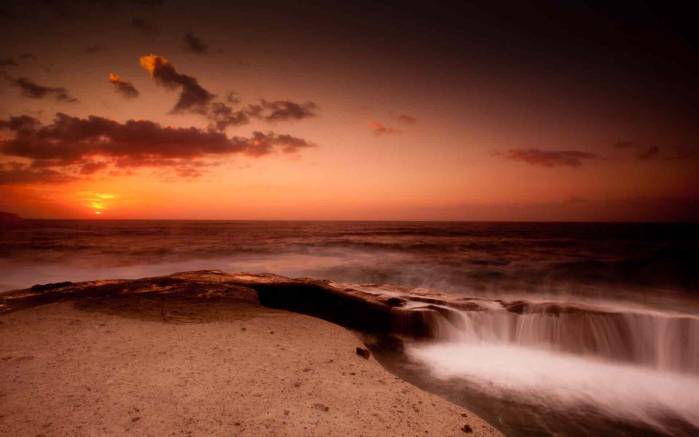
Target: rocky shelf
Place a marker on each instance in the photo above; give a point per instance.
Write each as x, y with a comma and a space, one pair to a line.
413, 315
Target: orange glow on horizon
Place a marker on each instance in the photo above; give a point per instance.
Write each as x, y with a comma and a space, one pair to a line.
385, 149
97, 202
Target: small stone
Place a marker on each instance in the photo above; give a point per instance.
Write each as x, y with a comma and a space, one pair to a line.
321, 407
364, 353
135, 419
467, 429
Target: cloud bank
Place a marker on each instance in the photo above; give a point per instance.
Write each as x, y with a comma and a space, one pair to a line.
70, 146
33, 90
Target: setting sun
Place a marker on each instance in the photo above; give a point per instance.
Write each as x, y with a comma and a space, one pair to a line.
97, 202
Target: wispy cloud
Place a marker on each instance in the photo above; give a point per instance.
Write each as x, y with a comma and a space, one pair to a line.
646, 152
548, 158
33, 90
123, 87
281, 110
380, 129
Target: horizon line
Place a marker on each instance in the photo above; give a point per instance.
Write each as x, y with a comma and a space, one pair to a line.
387, 220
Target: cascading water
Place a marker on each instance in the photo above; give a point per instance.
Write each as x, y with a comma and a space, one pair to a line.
661, 341
578, 362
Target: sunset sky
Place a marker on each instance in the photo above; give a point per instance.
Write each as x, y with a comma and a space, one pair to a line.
348, 110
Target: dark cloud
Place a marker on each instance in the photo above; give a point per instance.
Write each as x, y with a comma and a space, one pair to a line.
549, 158
406, 119
379, 129
17, 173
263, 144
35, 91
71, 145
123, 87
144, 27
281, 110
8, 62
194, 44
192, 96
20, 123
223, 116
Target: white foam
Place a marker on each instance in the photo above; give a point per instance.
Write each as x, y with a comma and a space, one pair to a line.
563, 381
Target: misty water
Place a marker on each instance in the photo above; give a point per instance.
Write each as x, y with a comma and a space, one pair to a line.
603, 338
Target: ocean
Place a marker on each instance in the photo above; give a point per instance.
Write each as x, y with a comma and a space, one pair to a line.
608, 342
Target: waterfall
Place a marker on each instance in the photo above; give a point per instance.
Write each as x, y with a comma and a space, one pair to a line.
628, 364
662, 341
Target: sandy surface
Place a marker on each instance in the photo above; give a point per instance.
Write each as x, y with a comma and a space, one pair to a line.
144, 366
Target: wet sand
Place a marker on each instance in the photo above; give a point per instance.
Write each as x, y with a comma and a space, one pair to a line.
155, 367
